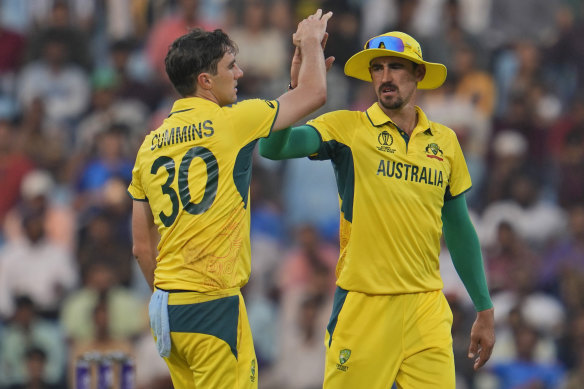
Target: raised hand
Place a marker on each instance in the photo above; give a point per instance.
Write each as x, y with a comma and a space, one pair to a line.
297, 61
314, 26
308, 72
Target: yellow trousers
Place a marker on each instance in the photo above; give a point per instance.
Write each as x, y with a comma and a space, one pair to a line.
212, 346
373, 341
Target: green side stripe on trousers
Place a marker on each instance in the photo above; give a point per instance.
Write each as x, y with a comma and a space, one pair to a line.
217, 318
338, 302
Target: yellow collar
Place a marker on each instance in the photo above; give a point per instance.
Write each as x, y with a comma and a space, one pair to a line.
378, 118
190, 103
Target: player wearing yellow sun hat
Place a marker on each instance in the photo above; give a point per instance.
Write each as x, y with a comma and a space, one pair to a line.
401, 180
397, 44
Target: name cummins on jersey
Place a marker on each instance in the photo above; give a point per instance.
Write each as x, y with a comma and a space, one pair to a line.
195, 172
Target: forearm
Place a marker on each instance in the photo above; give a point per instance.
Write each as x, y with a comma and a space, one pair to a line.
308, 61
312, 74
145, 239
292, 142
146, 259
309, 94
463, 243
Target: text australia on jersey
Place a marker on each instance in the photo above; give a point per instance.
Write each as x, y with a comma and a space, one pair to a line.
410, 172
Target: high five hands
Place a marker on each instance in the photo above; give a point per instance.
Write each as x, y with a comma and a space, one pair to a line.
314, 24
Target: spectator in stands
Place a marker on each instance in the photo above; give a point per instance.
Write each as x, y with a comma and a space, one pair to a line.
571, 291
101, 342
36, 267
39, 191
472, 83
524, 371
62, 86
567, 255
571, 350
12, 46
461, 313
506, 254
63, 22
25, 330
569, 170
151, 370
529, 19
536, 220
14, 165
570, 121
131, 75
183, 17
565, 53
306, 260
254, 37
524, 297
36, 363
507, 157
111, 160
301, 346
108, 110
125, 311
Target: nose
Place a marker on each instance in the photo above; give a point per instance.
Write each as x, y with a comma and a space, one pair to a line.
238, 72
386, 76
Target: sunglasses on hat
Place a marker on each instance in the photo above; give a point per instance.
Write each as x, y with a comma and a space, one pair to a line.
386, 42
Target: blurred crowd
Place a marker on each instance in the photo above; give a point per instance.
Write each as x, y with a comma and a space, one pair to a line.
83, 81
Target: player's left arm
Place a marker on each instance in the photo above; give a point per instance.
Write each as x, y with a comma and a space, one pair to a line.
145, 239
463, 243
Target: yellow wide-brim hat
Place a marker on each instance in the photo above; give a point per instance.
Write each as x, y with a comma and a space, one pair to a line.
394, 44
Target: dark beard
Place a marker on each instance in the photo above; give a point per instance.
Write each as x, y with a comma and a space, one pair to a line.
396, 104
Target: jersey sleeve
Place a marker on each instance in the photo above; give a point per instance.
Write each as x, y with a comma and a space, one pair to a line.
135, 188
460, 180
252, 119
334, 129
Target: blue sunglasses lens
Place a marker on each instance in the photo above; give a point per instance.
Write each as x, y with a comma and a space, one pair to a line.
386, 42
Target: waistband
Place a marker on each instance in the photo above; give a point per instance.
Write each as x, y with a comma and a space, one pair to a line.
179, 297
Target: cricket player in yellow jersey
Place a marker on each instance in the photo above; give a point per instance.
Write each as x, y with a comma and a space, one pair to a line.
191, 210
401, 181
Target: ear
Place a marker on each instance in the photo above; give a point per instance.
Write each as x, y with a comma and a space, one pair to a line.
420, 72
204, 81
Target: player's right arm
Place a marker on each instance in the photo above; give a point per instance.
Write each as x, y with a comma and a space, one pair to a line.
310, 93
145, 239
292, 142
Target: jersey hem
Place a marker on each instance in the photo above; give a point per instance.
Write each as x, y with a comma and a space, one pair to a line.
452, 197
135, 198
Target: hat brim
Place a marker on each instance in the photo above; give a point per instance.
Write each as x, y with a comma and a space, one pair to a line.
358, 66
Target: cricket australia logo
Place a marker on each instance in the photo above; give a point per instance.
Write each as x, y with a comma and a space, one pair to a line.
252, 376
385, 140
432, 151
344, 356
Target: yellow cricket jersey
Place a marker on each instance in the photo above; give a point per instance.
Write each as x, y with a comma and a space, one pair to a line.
391, 191
195, 172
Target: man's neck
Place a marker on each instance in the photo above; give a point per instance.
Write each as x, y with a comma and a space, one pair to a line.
206, 94
405, 117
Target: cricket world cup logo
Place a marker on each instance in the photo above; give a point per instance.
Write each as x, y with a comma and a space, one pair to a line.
385, 138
